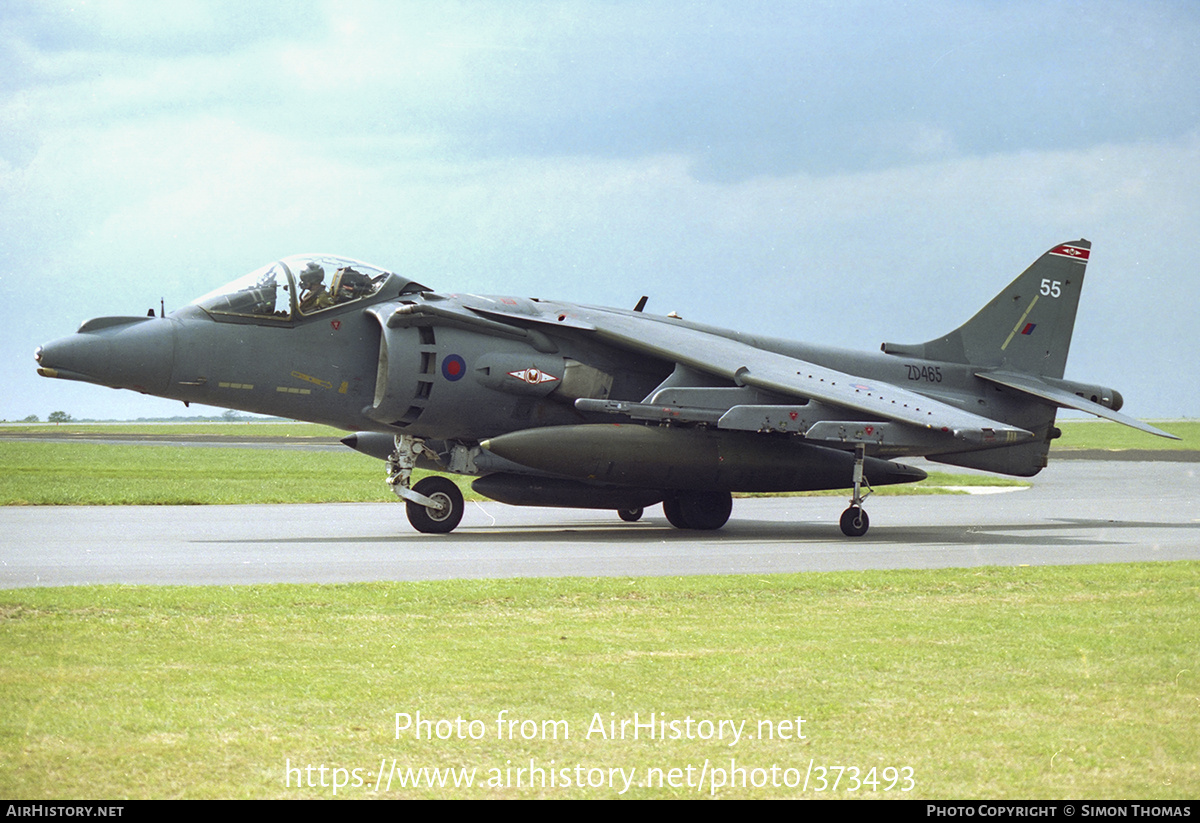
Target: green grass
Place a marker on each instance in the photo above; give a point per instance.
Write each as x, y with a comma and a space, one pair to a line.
988, 683
39, 473
231, 430
1101, 434
99, 474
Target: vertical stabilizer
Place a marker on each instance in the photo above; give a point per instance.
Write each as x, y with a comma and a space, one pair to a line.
1027, 327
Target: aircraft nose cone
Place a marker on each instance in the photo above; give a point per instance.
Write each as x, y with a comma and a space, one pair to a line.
122, 352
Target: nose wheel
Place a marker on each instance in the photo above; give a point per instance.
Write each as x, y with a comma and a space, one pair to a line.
854, 520
434, 505
449, 511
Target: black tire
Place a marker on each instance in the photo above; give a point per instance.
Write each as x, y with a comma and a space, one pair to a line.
706, 511
429, 521
855, 522
674, 513
630, 515
703, 511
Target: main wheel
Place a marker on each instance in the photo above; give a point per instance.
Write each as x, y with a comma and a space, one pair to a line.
442, 521
674, 513
855, 522
703, 511
630, 515
706, 510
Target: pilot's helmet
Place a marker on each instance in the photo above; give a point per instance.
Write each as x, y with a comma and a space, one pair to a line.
352, 283
312, 276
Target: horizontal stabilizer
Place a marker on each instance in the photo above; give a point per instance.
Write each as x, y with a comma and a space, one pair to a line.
1061, 397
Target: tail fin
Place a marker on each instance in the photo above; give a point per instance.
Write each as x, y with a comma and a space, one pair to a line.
1027, 327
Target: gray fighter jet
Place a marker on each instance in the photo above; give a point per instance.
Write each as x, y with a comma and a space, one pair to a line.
557, 404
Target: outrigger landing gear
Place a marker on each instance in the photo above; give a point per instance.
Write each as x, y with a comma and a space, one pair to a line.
434, 505
854, 520
630, 515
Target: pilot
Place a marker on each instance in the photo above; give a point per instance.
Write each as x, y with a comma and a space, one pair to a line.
349, 284
313, 295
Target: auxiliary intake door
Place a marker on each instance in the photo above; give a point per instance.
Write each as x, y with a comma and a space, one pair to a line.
405, 372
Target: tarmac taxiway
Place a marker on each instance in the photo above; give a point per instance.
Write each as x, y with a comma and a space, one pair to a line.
1078, 511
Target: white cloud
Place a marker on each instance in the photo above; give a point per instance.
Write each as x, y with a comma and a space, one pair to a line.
782, 170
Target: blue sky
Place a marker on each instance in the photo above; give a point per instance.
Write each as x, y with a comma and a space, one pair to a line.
838, 172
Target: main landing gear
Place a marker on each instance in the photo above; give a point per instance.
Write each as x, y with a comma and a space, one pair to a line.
704, 511
434, 505
854, 520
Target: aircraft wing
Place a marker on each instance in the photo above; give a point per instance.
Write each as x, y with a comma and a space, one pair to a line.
748, 365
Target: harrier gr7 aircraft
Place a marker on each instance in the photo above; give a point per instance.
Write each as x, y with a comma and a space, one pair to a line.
556, 404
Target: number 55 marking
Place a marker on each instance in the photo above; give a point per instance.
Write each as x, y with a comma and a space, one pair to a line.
1051, 288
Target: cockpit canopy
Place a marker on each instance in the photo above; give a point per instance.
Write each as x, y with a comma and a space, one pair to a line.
300, 286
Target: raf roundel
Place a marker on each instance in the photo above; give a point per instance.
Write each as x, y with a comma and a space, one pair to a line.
453, 367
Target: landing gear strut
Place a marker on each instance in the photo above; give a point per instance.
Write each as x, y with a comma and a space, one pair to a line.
435, 504
854, 520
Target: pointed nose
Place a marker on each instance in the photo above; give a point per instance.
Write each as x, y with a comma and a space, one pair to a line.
122, 352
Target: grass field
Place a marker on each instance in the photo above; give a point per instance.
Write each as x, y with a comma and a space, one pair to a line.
256, 429
983, 683
980, 683
81, 473
1098, 434
98, 474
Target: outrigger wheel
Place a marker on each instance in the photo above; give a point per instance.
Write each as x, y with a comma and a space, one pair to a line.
450, 506
854, 520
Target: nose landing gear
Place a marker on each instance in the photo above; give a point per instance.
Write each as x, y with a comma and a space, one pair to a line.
449, 511
434, 505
